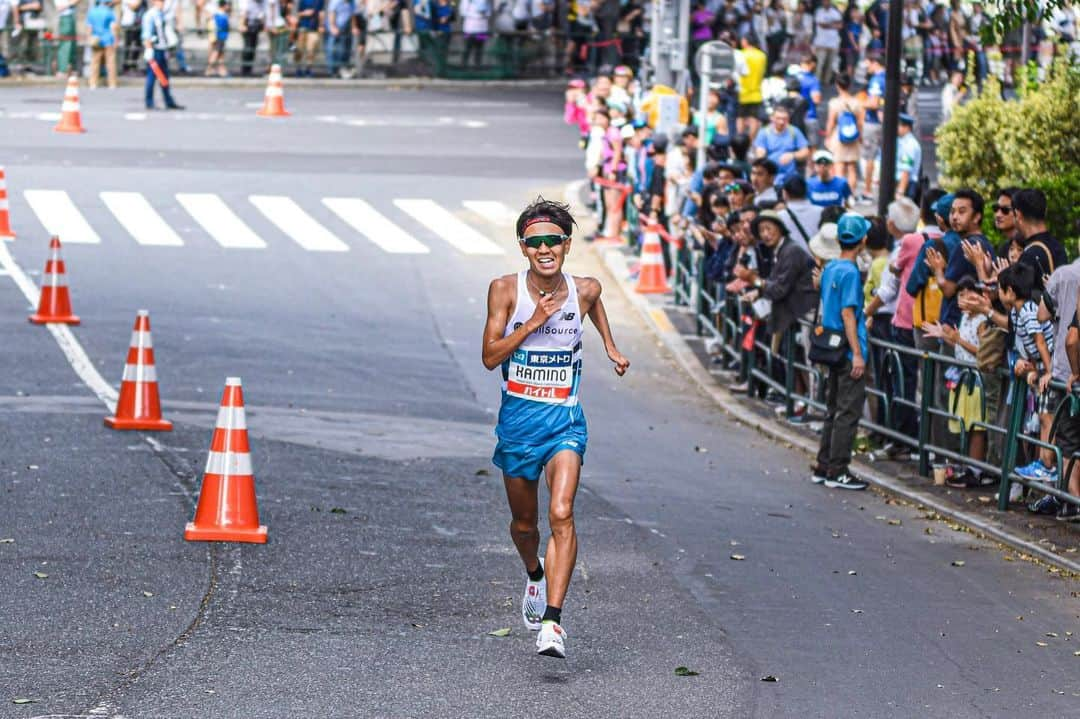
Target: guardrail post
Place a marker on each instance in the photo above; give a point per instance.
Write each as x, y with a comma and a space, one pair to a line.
1017, 395
927, 372
789, 371
699, 295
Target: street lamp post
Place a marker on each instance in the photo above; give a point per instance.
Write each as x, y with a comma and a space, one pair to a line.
887, 169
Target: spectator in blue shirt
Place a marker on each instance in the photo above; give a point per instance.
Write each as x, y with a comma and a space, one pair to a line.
215, 63
908, 157
309, 36
810, 89
871, 130
156, 53
783, 144
842, 311
339, 26
101, 24
965, 221
824, 188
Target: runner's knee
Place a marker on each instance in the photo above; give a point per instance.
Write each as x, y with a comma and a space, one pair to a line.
561, 516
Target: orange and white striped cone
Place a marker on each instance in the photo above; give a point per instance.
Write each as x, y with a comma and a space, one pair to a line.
5, 211
139, 406
227, 510
55, 302
274, 99
652, 277
70, 117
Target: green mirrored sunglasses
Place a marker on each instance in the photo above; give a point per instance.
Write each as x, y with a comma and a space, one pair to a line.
550, 240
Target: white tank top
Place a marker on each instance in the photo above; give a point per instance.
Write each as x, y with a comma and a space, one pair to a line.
546, 367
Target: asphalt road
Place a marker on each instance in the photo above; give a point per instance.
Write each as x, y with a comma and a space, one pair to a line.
360, 360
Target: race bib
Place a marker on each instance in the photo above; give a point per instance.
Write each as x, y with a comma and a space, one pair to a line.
545, 375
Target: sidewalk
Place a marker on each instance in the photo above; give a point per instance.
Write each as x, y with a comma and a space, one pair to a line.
1037, 538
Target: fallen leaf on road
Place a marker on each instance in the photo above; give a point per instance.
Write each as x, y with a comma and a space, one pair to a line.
929, 530
685, 672
958, 562
1041, 644
700, 449
1076, 654
738, 557
482, 473
985, 499
148, 594
880, 518
1052, 634
856, 611
31, 466
769, 678
338, 510
895, 522
21, 700
418, 626
499, 632
852, 572
8, 540
41, 575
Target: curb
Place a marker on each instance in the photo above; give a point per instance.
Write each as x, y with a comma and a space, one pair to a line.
400, 83
615, 262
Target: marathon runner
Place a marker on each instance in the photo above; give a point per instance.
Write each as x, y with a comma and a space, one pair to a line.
533, 331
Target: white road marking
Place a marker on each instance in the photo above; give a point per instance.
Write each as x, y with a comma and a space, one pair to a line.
134, 115
134, 212
449, 227
367, 221
492, 211
60, 216
297, 224
70, 346
219, 221
48, 116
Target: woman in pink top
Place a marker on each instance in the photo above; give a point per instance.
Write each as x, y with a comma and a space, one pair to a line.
574, 112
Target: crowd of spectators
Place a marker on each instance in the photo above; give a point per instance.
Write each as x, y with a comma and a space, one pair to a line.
782, 213
579, 36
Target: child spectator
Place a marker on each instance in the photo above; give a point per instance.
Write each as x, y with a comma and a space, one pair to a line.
842, 311
219, 33
1034, 347
966, 394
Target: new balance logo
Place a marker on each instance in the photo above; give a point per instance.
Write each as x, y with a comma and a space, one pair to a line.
568, 316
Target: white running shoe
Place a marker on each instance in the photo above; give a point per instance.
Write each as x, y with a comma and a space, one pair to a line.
551, 642
534, 603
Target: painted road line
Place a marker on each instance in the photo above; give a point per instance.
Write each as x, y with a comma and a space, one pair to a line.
492, 211
297, 224
60, 216
135, 213
70, 346
219, 221
449, 227
363, 218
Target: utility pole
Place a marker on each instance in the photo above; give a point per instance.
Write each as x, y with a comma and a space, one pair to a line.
890, 121
669, 42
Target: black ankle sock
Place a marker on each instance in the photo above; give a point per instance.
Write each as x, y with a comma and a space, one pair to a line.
552, 614
537, 574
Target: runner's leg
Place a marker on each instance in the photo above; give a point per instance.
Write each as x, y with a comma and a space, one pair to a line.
521, 494
563, 472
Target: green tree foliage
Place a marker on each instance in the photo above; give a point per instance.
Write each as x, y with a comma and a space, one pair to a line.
1032, 141
1008, 14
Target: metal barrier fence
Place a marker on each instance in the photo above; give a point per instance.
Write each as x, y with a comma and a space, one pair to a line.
504, 55
727, 321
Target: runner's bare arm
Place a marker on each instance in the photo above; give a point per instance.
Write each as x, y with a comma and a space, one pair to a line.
501, 293
590, 291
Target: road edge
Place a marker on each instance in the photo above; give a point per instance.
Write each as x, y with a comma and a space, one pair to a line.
614, 262
395, 83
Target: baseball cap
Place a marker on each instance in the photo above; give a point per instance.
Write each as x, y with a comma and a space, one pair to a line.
640, 122
623, 71
660, 144
851, 228
823, 156
906, 119
944, 205
576, 82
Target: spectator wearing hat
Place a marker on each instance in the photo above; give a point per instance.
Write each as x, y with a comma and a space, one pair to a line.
908, 158
782, 143
823, 246
790, 283
824, 188
845, 391
801, 217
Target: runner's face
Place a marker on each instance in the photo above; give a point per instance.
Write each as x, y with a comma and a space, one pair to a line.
545, 261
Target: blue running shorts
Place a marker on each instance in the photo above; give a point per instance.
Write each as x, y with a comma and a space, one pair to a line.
517, 459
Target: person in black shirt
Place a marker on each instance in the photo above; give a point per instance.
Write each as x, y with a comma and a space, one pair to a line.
1042, 251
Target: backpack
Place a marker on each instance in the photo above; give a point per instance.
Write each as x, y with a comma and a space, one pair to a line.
927, 307
847, 127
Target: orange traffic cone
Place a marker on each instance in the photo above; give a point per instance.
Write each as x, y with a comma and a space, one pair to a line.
139, 406
274, 99
5, 214
227, 510
70, 118
55, 303
652, 278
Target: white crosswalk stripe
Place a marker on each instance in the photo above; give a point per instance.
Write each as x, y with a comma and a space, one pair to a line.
297, 224
219, 221
449, 227
363, 218
138, 217
492, 211
60, 216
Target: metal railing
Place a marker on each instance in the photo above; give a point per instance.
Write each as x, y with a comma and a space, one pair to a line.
726, 319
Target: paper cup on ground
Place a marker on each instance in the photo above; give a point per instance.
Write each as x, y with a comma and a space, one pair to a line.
940, 471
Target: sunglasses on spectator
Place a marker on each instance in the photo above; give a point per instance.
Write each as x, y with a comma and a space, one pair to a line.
548, 240
1002, 208
733, 187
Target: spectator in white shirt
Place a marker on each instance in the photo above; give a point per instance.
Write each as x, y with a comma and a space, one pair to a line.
828, 21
